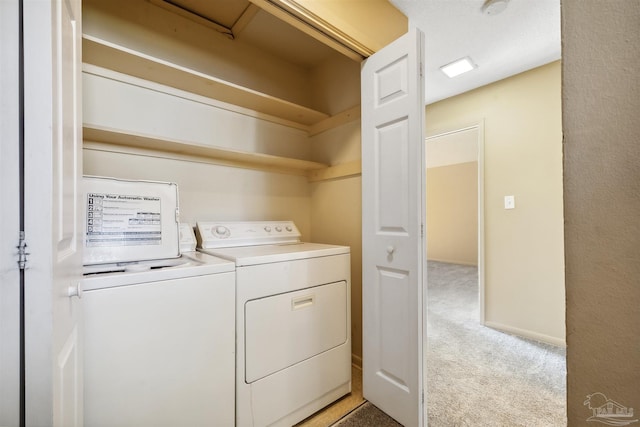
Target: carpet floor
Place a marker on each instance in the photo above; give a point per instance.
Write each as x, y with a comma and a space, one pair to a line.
367, 415
477, 376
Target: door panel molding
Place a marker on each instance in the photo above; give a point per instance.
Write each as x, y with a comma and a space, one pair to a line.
393, 193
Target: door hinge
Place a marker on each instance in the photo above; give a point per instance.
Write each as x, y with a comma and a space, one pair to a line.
22, 252
421, 230
421, 69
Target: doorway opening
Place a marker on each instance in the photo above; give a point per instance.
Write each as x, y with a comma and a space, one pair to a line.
455, 200
473, 370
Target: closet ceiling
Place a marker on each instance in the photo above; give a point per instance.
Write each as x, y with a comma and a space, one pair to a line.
243, 21
224, 12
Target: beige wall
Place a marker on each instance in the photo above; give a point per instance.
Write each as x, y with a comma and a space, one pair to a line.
524, 265
452, 213
214, 192
336, 212
336, 218
601, 107
335, 85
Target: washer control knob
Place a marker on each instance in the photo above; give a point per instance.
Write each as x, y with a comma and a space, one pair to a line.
267, 229
289, 229
278, 228
221, 231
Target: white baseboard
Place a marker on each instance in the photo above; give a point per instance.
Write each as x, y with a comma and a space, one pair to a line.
524, 333
356, 361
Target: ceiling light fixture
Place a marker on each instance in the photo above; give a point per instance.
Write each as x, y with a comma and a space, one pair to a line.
458, 67
494, 7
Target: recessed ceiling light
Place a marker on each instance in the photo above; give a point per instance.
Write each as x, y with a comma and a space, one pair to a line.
458, 67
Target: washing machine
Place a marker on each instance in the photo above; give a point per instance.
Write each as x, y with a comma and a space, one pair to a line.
293, 319
159, 322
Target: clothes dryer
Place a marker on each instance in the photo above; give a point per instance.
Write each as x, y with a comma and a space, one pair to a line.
293, 319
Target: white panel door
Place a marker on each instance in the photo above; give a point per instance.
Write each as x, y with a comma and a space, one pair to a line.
392, 223
53, 167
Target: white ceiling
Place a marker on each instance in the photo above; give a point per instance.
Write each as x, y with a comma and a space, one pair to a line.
524, 36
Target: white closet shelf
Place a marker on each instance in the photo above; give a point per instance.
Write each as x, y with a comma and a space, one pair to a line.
108, 55
92, 133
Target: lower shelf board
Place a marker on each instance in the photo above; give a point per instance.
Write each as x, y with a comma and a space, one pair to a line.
113, 140
109, 140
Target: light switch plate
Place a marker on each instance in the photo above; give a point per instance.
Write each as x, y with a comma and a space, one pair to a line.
509, 202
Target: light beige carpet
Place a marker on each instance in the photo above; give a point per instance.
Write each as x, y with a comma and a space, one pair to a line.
477, 376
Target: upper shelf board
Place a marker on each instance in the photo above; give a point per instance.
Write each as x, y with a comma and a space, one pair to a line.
118, 58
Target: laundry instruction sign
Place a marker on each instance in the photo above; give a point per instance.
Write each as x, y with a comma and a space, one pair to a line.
123, 220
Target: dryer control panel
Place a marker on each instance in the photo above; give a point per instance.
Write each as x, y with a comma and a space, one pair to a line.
226, 234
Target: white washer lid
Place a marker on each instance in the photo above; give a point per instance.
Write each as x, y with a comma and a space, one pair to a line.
263, 254
190, 264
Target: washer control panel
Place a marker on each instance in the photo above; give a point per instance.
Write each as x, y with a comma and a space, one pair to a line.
225, 234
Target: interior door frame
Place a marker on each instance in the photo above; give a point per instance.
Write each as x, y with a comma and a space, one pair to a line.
479, 126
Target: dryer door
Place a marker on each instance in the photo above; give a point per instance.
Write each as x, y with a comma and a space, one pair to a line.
285, 329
